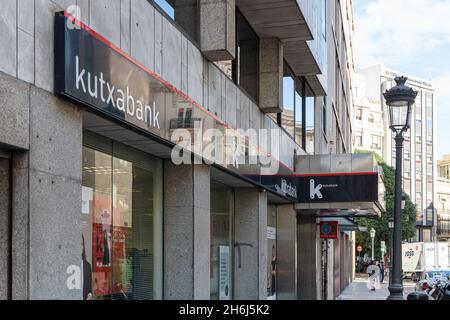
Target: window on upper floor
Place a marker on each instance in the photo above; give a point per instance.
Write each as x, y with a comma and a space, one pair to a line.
245, 66
167, 6
418, 156
407, 155
309, 118
418, 198
418, 103
419, 140
288, 121
358, 114
407, 173
371, 118
419, 172
359, 140
185, 13
429, 100
376, 142
418, 127
298, 115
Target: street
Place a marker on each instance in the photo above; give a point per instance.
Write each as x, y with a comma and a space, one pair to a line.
358, 289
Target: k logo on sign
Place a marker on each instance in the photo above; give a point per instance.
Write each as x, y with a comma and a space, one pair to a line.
315, 190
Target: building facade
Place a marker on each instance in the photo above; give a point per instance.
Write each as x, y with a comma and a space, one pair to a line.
98, 202
419, 172
443, 198
369, 124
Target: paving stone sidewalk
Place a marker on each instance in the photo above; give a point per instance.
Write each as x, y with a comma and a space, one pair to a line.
358, 290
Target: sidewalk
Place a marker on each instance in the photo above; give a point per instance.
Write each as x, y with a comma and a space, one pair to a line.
358, 290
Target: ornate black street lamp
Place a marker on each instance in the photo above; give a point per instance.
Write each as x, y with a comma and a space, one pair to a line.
400, 100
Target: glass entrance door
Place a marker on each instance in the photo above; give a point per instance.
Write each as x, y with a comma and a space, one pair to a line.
222, 205
122, 222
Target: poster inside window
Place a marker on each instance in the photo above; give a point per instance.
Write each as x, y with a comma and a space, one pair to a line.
122, 214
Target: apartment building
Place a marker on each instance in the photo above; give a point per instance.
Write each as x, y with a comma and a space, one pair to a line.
443, 198
369, 123
419, 150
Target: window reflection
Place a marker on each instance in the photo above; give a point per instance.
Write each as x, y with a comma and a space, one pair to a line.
222, 203
121, 215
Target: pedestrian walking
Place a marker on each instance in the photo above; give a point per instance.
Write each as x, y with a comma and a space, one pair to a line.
374, 275
382, 270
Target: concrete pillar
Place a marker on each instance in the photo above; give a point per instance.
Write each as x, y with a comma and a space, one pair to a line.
271, 75
54, 195
20, 225
14, 115
186, 232
250, 252
286, 253
5, 206
46, 202
46, 188
306, 257
218, 29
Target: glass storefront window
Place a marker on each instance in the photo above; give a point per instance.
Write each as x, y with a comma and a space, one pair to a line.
222, 204
271, 252
121, 222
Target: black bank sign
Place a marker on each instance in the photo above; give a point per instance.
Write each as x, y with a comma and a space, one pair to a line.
338, 188
90, 71
344, 187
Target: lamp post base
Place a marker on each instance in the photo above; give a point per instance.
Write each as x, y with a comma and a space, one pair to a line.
396, 292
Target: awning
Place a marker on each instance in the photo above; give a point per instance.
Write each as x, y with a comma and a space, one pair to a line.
340, 185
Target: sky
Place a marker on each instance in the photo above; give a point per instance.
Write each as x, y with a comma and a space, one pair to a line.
411, 36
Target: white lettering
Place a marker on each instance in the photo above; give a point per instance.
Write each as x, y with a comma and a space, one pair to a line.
155, 117
121, 101
212, 152
129, 105
315, 190
140, 111
115, 97
79, 75
93, 93
74, 280
148, 114
180, 153
110, 95
102, 84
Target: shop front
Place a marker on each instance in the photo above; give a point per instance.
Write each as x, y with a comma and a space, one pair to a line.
121, 221
334, 190
158, 223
